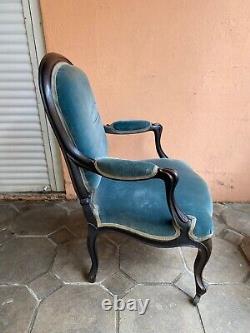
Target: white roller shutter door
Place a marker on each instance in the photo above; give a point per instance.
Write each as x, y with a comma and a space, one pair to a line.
25, 165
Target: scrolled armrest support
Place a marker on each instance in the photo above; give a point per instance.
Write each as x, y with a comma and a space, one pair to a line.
127, 170
119, 169
122, 127
170, 177
157, 129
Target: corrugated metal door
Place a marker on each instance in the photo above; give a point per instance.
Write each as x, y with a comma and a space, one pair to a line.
25, 158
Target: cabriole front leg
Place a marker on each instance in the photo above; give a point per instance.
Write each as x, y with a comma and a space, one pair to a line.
91, 244
203, 255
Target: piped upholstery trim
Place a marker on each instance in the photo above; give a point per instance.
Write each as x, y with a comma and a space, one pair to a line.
132, 230
80, 112
56, 102
120, 169
191, 231
100, 224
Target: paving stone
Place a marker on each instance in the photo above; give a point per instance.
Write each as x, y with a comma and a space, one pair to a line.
39, 220
232, 236
186, 283
25, 205
61, 236
7, 214
146, 263
226, 263
219, 225
169, 310
244, 207
238, 220
5, 235
226, 309
45, 285
77, 224
218, 208
245, 246
24, 259
72, 261
117, 238
78, 310
118, 284
70, 205
17, 306
247, 280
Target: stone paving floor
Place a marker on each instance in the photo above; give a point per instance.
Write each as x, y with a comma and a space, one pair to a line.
44, 260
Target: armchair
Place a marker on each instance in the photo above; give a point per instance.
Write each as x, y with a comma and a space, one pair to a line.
162, 201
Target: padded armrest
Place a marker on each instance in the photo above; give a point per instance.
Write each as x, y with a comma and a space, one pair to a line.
119, 169
137, 126
128, 127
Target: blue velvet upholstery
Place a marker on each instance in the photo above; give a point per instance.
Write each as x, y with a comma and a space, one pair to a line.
128, 126
142, 206
78, 108
116, 168
137, 205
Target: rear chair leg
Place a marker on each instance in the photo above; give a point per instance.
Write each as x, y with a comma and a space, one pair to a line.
91, 244
204, 252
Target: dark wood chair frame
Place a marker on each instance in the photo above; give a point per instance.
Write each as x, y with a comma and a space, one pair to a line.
76, 160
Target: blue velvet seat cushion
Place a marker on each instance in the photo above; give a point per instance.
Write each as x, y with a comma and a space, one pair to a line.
142, 207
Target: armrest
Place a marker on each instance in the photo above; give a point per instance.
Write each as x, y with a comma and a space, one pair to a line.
119, 169
128, 127
170, 178
122, 127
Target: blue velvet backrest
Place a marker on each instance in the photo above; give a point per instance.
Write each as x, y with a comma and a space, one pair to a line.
77, 108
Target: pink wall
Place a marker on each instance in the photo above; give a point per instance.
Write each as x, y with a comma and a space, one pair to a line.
183, 63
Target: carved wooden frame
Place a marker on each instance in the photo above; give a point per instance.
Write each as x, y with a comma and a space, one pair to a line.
76, 160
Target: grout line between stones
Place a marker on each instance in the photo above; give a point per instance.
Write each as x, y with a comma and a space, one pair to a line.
12, 284
52, 292
30, 236
32, 293
184, 261
55, 231
68, 229
31, 326
199, 313
152, 284
106, 289
52, 242
15, 208
247, 278
63, 207
62, 227
49, 270
117, 313
124, 294
81, 284
182, 290
177, 278
33, 319
224, 283
117, 321
127, 276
